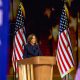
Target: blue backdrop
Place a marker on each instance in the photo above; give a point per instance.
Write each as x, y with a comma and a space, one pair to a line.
4, 28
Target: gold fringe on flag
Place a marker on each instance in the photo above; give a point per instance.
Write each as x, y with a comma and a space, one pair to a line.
22, 8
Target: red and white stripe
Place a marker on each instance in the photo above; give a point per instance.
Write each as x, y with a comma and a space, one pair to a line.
18, 48
64, 54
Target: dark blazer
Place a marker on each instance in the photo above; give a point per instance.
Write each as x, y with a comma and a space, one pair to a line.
31, 50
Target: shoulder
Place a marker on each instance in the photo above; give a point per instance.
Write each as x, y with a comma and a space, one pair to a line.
37, 46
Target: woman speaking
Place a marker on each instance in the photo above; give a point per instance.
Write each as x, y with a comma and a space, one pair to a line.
31, 48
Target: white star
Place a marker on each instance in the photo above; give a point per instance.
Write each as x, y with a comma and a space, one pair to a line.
73, 23
55, 32
79, 42
47, 12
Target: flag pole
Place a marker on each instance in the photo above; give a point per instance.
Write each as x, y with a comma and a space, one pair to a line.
14, 73
64, 78
67, 76
63, 5
77, 41
12, 10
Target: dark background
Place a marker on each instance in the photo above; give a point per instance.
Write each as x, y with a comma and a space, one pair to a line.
36, 22
35, 19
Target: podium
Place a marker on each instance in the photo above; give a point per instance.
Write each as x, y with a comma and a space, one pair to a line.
36, 68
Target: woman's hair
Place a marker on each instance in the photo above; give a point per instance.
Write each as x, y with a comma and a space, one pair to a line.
30, 37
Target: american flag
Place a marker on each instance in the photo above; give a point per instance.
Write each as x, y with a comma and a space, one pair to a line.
64, 56
19, 38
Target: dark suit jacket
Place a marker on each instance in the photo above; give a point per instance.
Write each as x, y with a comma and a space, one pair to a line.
31, 50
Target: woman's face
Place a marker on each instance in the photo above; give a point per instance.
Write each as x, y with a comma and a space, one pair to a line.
33, 41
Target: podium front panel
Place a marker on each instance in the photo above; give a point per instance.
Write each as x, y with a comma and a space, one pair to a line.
43, 72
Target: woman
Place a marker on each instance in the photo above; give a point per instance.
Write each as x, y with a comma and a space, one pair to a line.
32, 47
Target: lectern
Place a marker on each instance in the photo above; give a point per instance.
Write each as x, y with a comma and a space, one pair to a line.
36, 68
